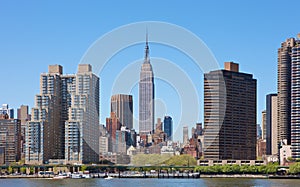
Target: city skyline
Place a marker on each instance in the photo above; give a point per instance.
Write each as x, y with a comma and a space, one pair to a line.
51, 43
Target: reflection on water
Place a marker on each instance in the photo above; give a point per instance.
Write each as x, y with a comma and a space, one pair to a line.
150, 182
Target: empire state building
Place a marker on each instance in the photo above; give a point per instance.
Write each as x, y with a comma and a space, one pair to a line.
146, 96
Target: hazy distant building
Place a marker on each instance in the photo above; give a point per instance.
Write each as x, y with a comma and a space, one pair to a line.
146, 96
198, 131
271, 125
6, 110
103, 144
295, 99
103, 139
10, 140
259, 132
168, 127
229, 114
122, 106
185, 135
65, 118
264, 124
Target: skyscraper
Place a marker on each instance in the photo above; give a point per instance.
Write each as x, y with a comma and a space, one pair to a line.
185, 135
284, 89
82, 126
168, 127
271, 125
44, 133
146, 96
229, 114
295, 100
122, 106
65, 119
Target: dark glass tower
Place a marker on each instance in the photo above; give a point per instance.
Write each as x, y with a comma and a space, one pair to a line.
168, 127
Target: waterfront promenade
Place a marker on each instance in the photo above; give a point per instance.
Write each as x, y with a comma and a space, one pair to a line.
148, 175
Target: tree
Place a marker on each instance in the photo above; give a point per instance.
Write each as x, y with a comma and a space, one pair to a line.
262, 169
55, 169
236, 168
32, 170
216, 169
295, 168
83, 168
253, 169
227, 168
181, 160
23, 170
10, 170
149, 159
201, 169
244, 169
271, 168
290, 159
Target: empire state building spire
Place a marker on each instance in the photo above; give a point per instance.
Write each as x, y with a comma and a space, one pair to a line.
147, 59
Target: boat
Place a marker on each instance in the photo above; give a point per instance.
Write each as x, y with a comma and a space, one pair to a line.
86, 176
61, 176
81, 175
108, 178
76, 176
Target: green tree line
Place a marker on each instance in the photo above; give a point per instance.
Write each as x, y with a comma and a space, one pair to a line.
237, 169
167, 160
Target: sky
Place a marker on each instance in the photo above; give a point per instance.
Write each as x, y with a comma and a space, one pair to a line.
35, 34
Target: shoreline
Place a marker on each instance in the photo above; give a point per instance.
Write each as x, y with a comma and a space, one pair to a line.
204, 176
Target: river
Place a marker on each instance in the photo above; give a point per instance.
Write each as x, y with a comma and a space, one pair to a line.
150, 182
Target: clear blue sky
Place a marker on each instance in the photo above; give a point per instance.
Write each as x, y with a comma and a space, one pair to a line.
34, 34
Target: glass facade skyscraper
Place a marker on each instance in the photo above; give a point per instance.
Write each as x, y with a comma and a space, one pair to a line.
168, 127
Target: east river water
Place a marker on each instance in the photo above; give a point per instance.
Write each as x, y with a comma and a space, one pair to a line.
224, 182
